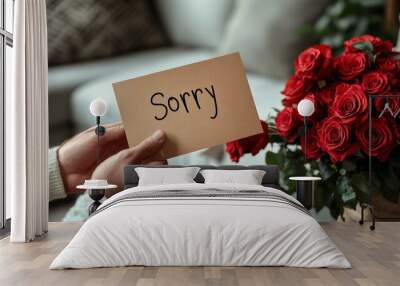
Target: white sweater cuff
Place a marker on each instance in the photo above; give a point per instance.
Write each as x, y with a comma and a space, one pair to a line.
57, 190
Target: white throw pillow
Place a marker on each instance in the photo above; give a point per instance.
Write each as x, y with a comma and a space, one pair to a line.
247, 177
165, 176
199, 23
267, 33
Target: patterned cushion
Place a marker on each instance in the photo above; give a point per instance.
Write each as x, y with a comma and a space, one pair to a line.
80, 30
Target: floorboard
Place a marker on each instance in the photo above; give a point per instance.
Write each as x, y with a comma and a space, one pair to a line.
375, 257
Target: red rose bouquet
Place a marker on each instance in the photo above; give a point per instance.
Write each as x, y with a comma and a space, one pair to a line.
337, 132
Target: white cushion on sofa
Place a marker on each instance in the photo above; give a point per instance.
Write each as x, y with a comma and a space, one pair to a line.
267, 33
198, 23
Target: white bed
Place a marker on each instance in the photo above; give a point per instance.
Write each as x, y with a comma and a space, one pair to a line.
185, 230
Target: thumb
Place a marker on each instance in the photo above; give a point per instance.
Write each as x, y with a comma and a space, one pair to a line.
145, 149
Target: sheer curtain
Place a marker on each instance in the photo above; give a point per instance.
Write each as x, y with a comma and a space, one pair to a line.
27, 124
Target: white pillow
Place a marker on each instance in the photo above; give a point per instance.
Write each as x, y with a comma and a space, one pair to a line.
198, 23
247, 177
267, 33
164, 176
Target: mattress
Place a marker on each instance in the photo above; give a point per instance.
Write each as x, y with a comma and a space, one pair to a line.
201, 225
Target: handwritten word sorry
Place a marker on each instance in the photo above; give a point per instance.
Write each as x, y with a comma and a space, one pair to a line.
184, 99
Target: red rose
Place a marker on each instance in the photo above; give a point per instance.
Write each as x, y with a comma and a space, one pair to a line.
350, 66
379, 45
375, 82
326, 95
295, 89
391, 67
350, 104
394, 82
313, 151
252, 144
387, 64
336, 139
314, 62
235, 150
287, 122
383, 139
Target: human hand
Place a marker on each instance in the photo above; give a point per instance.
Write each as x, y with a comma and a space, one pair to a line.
77, 156
147, 152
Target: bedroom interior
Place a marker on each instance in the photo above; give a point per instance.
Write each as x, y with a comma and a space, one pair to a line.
230, 142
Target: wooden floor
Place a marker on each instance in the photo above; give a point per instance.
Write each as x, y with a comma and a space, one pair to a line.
375, 257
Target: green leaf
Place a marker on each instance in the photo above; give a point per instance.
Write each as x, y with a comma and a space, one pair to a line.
349, 165
272, 158
275, 138
336, 9
335, 206
294, 168
346, 190
371, 3
366, 46
291, 187
346, 22
276, 109
322, 24
343, 185
359, 154
326, 168
348, 196
360, 181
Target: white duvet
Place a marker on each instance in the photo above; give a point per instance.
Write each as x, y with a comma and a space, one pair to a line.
200, 231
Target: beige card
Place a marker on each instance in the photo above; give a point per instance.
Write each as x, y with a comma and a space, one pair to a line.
198, 105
